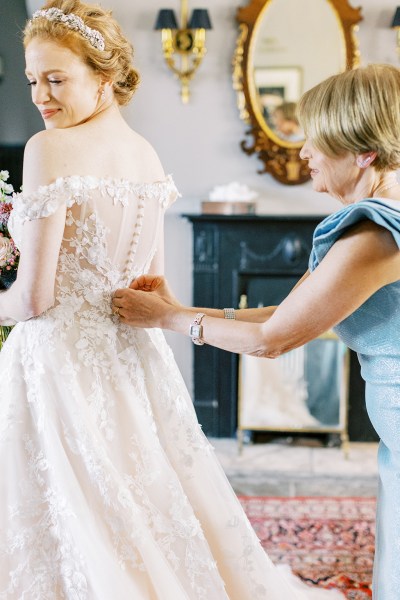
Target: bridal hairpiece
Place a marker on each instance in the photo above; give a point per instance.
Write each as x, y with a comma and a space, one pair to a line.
73, 22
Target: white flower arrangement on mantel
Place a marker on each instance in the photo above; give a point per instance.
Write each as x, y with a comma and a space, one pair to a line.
233, 198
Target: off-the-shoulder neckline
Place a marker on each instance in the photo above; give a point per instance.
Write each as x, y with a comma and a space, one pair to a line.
108, 180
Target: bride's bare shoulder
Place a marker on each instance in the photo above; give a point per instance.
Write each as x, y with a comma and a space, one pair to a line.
43, 141
142, 153
42, 158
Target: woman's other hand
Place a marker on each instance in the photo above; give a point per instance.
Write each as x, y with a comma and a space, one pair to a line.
156, 284
140, 309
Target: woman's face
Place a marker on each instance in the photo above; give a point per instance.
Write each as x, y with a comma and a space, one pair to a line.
285, 126
338, 176
64, 89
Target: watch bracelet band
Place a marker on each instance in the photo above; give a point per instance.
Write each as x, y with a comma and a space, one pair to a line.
229, 313
197, 323
198, 318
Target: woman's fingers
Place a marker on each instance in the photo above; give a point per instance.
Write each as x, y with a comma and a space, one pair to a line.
138, 282
147, 283
137, 307
117, 302
118, 294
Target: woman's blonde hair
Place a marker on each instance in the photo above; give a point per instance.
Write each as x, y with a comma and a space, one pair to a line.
114, 63
356, 111
288, 111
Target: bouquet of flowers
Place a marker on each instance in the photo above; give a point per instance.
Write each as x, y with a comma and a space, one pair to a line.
9, 255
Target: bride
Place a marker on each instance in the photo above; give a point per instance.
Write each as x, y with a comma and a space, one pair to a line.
109, 489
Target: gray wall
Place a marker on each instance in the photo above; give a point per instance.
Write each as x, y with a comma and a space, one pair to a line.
18, 118
198, 143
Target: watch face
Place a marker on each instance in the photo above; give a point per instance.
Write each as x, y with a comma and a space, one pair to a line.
196, 331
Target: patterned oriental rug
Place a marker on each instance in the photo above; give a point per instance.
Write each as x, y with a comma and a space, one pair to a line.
328, 542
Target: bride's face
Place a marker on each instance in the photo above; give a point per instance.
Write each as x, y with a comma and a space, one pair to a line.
64, 89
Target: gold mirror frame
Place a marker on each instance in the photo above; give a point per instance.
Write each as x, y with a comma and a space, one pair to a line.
280, 158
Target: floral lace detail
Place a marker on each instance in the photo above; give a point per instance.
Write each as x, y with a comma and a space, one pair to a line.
76, 189
40, 532
86, 278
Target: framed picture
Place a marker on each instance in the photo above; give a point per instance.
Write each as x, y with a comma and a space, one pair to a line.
280, 88
283, 82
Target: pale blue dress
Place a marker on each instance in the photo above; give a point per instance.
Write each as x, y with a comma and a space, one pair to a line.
373, 331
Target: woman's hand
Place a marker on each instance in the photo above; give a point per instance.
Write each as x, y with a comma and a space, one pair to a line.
141, 309
156, 284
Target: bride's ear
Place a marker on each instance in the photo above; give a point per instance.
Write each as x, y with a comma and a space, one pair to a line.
366, 159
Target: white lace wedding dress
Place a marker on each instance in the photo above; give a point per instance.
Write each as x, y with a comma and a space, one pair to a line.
109, 490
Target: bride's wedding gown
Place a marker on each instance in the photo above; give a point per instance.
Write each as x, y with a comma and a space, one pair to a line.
109, 490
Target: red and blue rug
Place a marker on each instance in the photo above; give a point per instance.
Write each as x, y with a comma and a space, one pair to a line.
328, 542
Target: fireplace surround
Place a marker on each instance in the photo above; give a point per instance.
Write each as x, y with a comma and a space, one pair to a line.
257, 260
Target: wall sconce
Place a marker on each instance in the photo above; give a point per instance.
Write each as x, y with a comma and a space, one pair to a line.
396, 25
186, 41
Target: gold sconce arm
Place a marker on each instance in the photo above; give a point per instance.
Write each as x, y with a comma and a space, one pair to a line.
190, 59
396, 25
185, 44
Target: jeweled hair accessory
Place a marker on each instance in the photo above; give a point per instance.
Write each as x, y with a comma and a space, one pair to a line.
72, 21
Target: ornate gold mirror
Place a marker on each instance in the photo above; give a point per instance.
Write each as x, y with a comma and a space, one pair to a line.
284, 48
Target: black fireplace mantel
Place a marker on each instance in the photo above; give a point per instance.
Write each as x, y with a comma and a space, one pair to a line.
259, 258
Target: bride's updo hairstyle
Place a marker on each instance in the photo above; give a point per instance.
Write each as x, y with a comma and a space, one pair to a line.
114, 62
356, 111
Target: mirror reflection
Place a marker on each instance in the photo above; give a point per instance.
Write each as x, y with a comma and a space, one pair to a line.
302, 390
288, 60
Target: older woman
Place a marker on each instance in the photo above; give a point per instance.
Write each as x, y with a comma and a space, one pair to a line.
352, 127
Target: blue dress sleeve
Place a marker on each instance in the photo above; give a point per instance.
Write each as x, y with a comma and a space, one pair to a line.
334, 226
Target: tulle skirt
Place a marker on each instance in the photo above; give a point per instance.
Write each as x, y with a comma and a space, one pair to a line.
108, 488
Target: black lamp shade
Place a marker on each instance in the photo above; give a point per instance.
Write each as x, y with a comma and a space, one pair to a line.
396, 18
166, 19
199, 19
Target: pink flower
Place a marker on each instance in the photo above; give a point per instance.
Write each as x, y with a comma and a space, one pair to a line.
9, 254
5, 210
